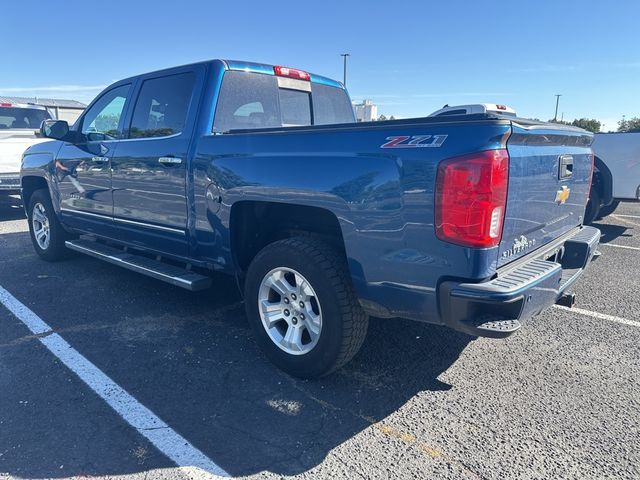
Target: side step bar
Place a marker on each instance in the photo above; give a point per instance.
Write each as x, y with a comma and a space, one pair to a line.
177, 276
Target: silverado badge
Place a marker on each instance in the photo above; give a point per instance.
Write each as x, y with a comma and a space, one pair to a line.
562, 195
519, 245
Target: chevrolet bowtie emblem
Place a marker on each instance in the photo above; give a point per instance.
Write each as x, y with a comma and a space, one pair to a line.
563, 195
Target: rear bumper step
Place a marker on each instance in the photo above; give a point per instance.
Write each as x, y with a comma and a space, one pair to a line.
496, 308
177, 276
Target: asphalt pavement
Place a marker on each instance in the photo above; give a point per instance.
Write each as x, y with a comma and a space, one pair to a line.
559, 399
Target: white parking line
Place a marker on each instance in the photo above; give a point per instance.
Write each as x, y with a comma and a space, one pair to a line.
148, 424
619, 246
601, 316
626, 216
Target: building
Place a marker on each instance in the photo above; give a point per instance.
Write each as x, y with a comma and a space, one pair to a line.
68, 110
366, 111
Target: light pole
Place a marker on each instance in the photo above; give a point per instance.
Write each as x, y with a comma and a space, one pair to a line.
555, 117
344, 76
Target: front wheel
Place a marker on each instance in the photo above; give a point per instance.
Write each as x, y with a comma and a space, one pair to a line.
302, 307
47, 234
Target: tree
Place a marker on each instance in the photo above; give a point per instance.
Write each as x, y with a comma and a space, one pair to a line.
590, 124
631, 125
561, 122
382, 118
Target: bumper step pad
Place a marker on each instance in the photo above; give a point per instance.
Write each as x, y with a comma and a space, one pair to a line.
498, 328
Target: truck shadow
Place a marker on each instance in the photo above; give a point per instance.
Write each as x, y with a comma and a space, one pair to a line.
612, 232
192, 360
11, 207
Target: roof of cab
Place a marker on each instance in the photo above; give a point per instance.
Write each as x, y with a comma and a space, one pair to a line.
238, 66
268, 70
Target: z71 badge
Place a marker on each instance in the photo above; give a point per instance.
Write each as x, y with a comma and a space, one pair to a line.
415, 141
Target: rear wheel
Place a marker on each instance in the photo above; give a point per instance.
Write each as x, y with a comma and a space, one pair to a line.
302, 307
593, 207
47, 234
609, 209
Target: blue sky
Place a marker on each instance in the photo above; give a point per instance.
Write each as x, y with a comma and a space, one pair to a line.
410, 57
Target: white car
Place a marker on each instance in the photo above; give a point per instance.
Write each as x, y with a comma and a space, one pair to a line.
475, 108
620, 153
19, 129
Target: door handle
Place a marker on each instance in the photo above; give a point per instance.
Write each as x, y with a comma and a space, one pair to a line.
99, 159
566, 167
170, 160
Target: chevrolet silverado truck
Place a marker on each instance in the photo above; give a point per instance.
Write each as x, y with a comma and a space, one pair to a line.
260, 172
19, 129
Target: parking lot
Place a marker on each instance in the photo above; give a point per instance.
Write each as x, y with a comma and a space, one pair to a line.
560, 399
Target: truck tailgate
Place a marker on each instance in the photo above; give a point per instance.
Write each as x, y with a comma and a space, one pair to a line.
549, 181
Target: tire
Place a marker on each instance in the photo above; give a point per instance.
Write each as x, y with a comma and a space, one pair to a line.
609, 209
333, 312
42, 216
593, 207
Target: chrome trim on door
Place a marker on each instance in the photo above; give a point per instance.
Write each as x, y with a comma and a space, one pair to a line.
149, 225
89, 214
125, 221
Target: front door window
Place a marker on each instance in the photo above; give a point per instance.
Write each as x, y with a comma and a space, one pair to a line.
102, 120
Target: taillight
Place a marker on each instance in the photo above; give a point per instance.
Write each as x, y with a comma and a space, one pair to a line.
471, 198
291, 72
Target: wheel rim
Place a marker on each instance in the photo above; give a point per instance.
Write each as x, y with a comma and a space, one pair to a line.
290, 311
40, 223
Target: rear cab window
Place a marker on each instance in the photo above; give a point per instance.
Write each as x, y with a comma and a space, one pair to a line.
250, 100
19, 118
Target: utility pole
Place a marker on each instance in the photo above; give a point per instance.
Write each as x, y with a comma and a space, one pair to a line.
344, 76
555, 117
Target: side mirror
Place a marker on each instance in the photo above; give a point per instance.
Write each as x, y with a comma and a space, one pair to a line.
56, 129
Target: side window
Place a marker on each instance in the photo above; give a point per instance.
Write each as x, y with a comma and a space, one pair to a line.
101, 121
331, 105
162, 106
247, 100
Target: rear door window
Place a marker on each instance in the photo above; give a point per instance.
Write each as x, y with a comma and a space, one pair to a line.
162, 106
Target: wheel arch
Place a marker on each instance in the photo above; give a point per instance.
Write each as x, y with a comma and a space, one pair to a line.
255, 224
603, 181
30, 184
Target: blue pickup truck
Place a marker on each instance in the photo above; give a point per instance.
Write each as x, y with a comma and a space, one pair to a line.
260, 172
